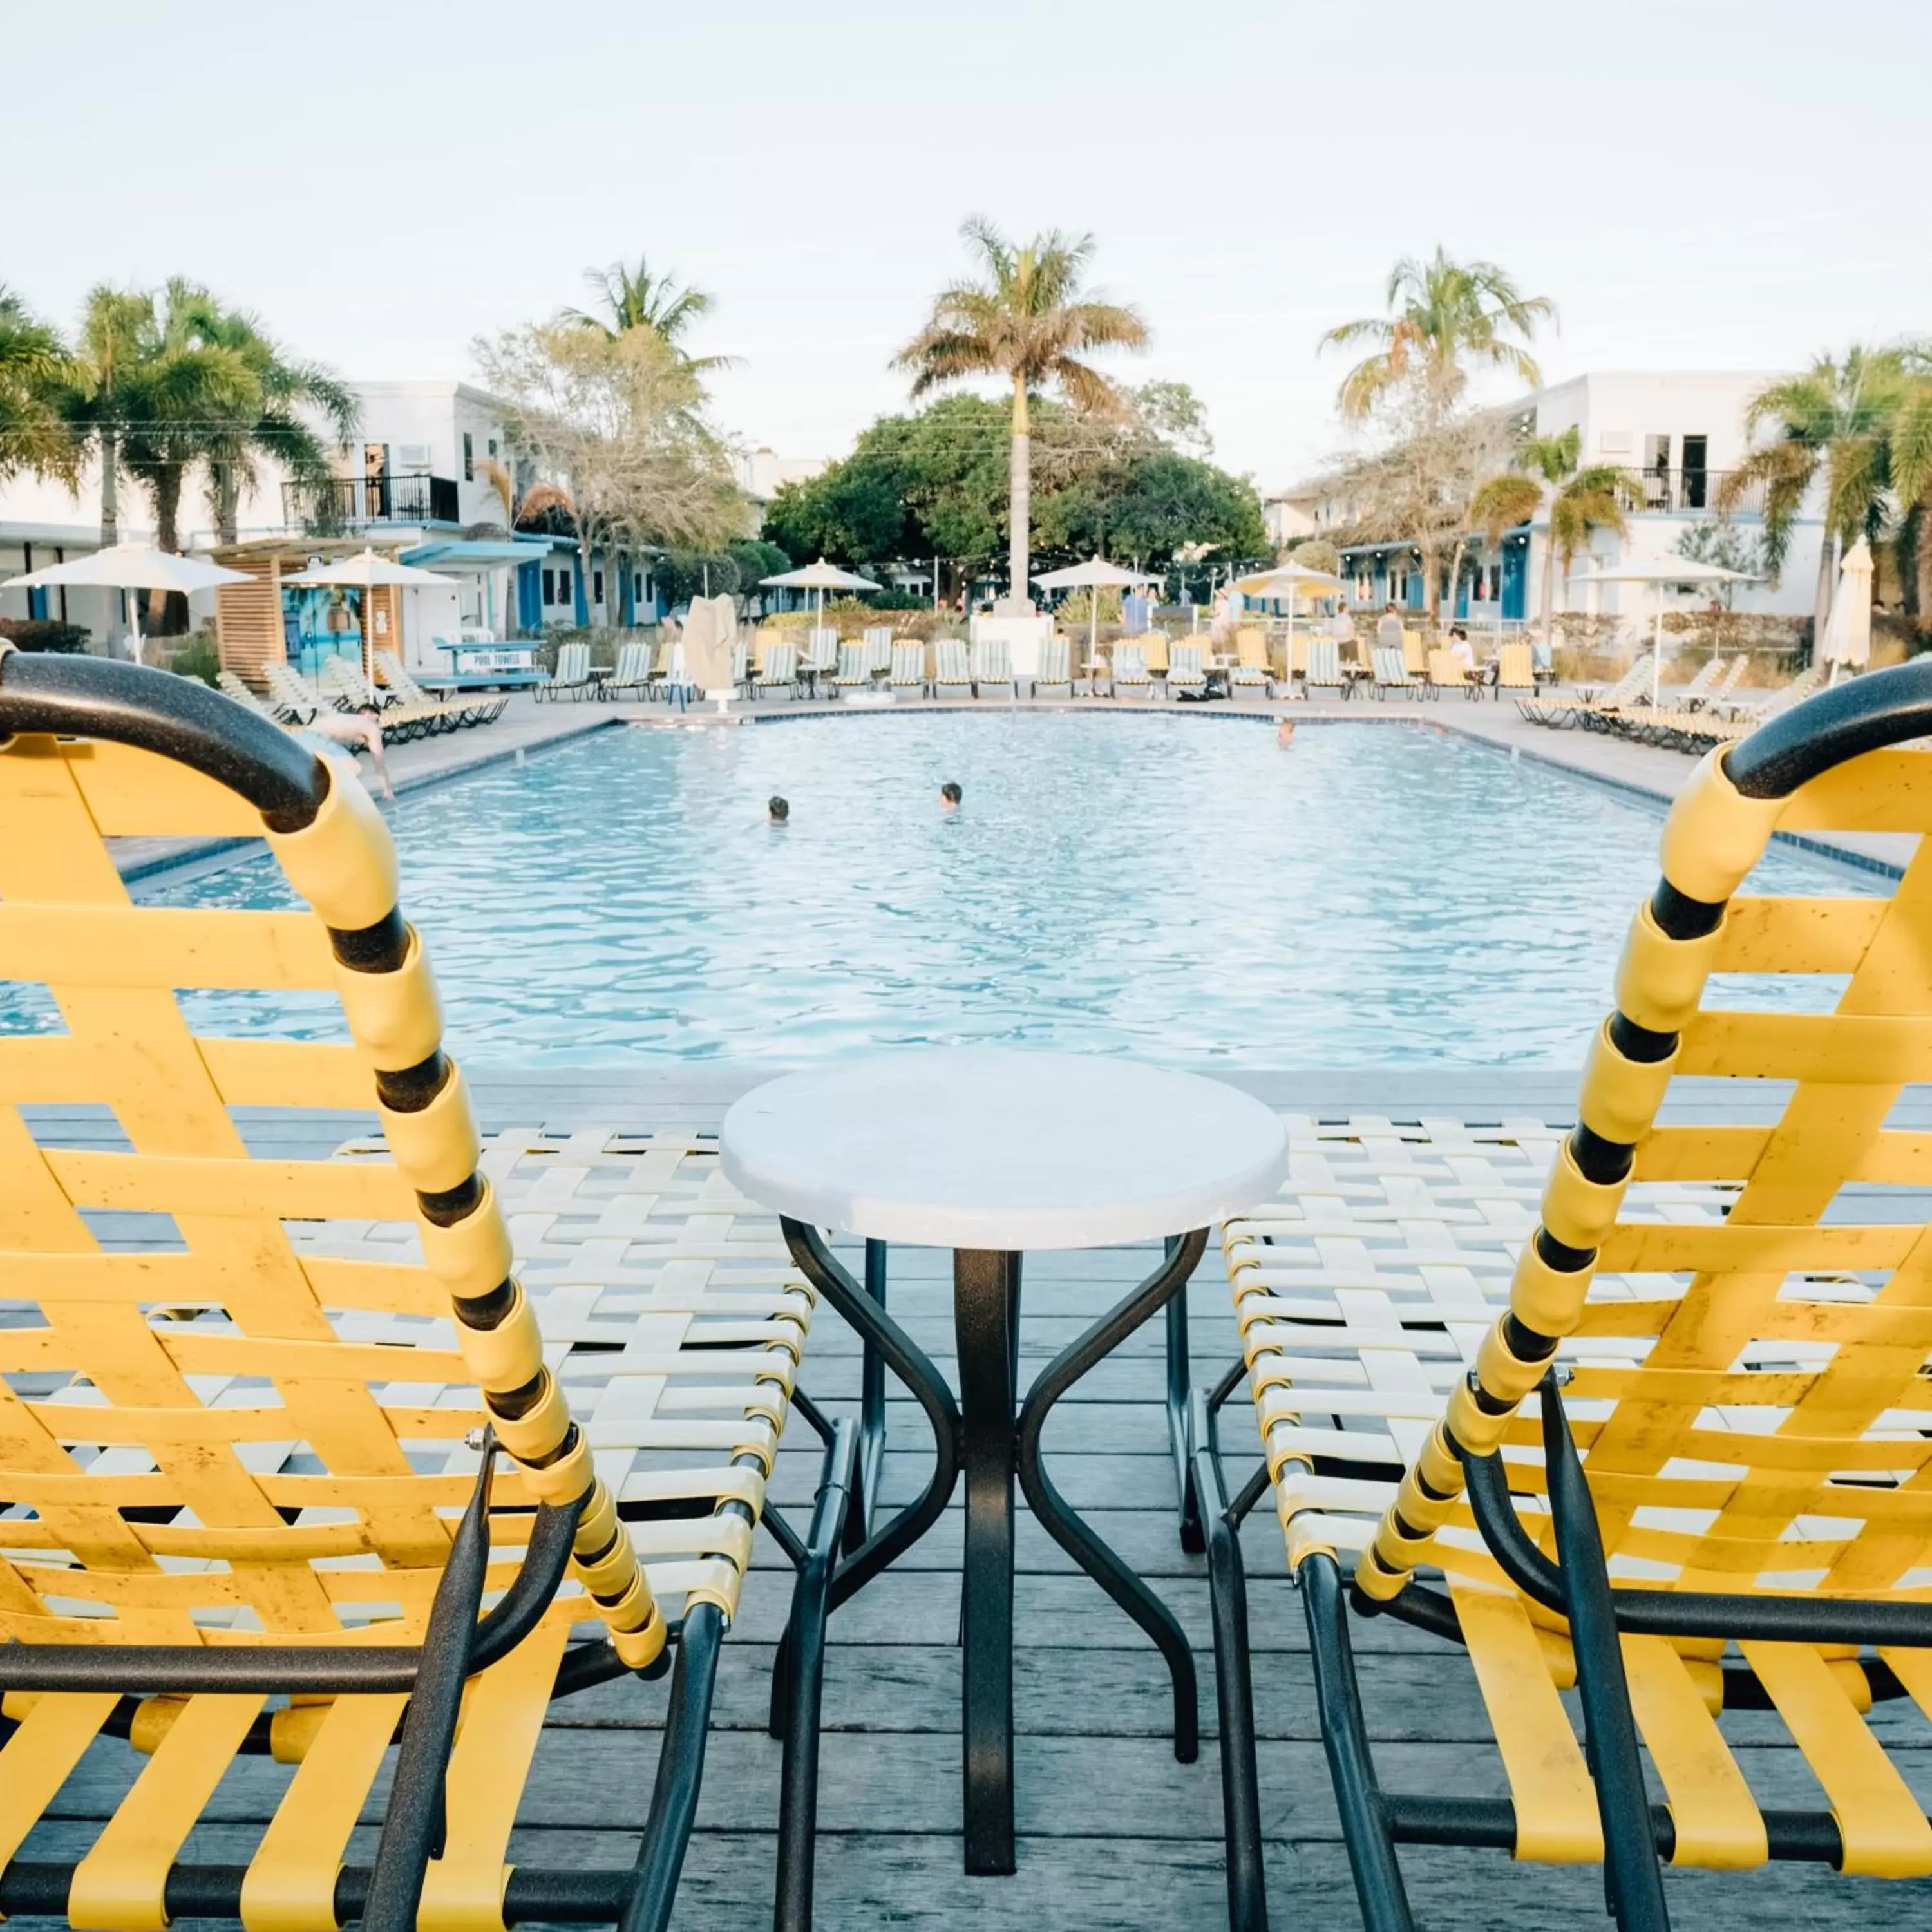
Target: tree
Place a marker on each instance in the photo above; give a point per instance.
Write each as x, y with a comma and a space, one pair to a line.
635, 298
1832, 424
1023, 320
612, 422
1912, 477
1443, 315
274, 424
1591, 500
33, 365
117, 332
1541, 462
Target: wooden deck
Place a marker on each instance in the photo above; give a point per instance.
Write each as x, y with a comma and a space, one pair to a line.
1113, 1832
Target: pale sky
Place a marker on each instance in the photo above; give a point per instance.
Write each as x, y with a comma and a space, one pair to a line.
1699, 183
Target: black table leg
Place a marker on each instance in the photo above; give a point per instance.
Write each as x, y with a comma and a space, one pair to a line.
910, 1364
872, 1413
985, 1295
1067, 1529
1179, 1395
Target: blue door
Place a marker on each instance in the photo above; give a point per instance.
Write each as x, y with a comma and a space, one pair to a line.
529, 598
1515, 579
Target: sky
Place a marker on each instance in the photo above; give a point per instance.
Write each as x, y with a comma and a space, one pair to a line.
1696, 183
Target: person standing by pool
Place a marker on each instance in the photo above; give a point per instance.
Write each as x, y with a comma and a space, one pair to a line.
1388, 626
950, 797
778, 811
1342, 626
337, 735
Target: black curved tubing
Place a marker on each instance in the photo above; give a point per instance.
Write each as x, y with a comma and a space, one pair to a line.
1065, 1525
907, 1361
517, 1612
1864, 714
72, 697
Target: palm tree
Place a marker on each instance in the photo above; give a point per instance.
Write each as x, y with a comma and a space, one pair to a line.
272, 425
117, 334
1542, 462
1911, 467
1592, 499
635, 298
1023, 320
34, 364
1442, 315
1834, 423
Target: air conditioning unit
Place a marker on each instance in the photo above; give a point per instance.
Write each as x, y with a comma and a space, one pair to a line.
412, 455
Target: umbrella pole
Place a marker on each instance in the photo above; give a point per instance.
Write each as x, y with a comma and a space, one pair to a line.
133, 624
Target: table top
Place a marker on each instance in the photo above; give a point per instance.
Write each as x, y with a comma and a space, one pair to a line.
996, 1147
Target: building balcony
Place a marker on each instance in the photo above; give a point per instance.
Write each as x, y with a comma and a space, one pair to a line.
350, 503
1682, 492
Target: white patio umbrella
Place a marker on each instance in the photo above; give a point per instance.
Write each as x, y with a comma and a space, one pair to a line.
1847, 638
1095, 573
129, 567
1290, 580
820, 576
1667, 571
366, 571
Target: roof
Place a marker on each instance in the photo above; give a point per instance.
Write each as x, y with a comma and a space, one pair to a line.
476, 553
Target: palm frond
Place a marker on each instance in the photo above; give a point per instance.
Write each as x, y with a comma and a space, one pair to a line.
1502, 503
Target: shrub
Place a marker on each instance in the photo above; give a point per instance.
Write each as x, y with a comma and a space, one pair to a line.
196, 657
43, 634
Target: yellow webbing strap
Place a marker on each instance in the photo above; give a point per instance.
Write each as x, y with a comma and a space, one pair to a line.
290, 1885
502, 1719
1884, 1827
38, 1758
120, 1886
1556, 1817
1718, 1823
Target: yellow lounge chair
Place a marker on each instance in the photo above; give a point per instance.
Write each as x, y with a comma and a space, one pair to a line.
237, 1468
1728, 1329
1447, 672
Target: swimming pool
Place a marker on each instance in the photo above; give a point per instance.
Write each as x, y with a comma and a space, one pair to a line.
1175, 887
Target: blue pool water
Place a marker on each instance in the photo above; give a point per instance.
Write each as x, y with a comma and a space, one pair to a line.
1177, 888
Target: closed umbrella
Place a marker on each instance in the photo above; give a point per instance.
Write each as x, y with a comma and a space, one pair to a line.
710, 631
129, 567
1847, 638
820, 576
1667, 571
1095, 573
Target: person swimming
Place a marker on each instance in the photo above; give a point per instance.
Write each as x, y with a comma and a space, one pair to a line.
1284, 735
950, 797
339, 735
778, 811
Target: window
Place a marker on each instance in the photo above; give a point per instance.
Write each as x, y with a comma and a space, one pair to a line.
492, 446
596, 586
549, 586
638, 586
469, 457
563, 595
1696, 455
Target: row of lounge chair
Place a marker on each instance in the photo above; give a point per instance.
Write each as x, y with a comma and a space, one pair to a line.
1703, 713
406, 711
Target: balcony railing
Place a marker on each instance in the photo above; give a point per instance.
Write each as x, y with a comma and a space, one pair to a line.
1675, 491
344, 502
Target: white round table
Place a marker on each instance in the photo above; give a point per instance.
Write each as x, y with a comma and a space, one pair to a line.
990, 1151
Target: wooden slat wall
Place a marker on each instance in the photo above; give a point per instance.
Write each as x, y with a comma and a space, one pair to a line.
248, 621
382, 624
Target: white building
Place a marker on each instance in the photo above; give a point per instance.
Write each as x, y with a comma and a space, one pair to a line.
1678, 434
429, 461
761, 474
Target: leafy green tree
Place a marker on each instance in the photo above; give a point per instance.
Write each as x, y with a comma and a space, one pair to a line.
33, 364
1166, 500
756, 561
1442, 316
1023, 319
636, 298
683, 574
1831, 425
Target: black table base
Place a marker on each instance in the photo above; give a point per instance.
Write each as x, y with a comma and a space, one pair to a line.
981, 1437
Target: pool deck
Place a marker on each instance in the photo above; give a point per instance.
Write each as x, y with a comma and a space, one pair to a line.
1114, 1833
527, 726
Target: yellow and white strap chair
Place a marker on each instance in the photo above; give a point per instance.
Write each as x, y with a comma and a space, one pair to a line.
1726, 1500
257, 1496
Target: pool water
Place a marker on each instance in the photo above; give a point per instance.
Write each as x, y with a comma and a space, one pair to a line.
1176, 888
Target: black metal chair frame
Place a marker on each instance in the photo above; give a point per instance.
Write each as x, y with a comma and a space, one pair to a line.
1637, 1834
458, 1643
